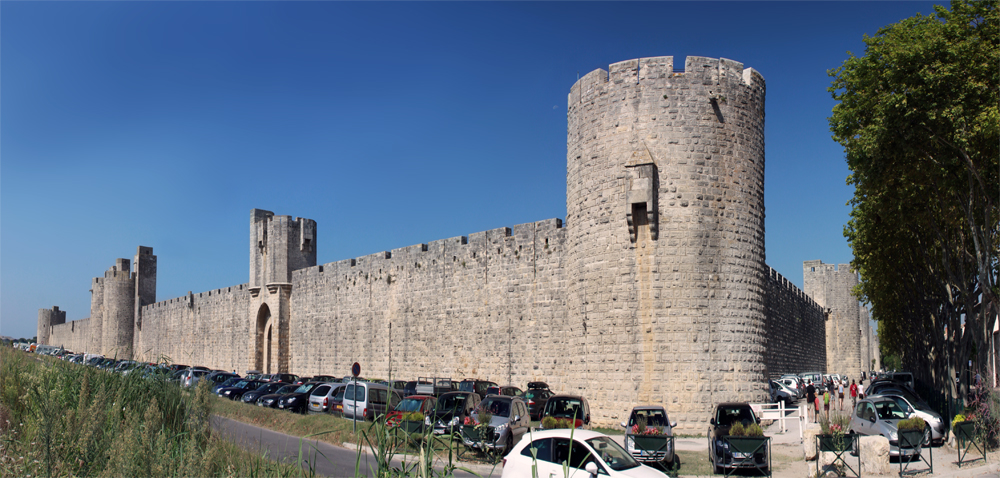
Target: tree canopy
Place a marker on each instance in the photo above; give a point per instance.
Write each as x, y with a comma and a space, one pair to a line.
918, 118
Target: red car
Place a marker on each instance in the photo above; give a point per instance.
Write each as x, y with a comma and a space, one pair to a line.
414, 403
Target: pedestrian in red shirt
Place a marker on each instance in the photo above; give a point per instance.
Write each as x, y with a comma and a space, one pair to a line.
854, 394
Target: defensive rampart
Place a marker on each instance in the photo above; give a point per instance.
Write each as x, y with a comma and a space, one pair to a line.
795, 339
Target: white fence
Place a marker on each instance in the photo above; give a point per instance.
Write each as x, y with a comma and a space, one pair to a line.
778, 412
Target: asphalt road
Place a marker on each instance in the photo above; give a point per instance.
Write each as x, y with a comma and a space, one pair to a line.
324, 458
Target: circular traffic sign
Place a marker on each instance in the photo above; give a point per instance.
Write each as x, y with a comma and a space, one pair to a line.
356, 369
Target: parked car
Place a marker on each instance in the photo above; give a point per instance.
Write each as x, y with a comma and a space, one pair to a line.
509, 422
655, 417
585, 453
781, 392
230, 382
191, 376
366, 400
326, 379
572, 407
241, 387
719, 454
337, 401
271, 400
880, 416
266, 388
280, 377
476, 386
414, 403
299, 399
451, 410
321, 398
398, 386
937, 428
218, 377
506, 390
436, 386
411, 388
536, 398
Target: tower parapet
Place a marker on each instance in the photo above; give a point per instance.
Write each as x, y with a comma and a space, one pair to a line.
665, 229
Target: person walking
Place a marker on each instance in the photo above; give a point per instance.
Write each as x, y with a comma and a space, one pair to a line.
826, 403
811, 397
840, 395
854, 395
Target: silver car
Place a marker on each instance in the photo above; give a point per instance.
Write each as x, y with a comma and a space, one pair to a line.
936, 427
509, 423
321, 398
880, 416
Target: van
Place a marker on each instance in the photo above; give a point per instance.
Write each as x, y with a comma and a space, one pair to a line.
366, 400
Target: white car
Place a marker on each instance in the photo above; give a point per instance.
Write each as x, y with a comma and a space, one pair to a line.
586, 454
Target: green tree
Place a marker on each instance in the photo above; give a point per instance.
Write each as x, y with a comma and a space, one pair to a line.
918, 119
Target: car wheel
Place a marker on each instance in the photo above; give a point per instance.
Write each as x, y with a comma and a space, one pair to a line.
927, 436
854, 444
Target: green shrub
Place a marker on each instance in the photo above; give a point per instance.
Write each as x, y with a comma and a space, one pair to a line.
413, 417
737, 430
915, 423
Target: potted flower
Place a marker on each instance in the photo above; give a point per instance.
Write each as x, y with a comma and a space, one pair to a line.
964, 427
649, 444
412, 422
749, 446
834, 437
911, 432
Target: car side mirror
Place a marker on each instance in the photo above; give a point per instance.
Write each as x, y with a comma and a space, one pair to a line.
711, 422
517, 418
871, 419
624, 425
673, 424
591, 468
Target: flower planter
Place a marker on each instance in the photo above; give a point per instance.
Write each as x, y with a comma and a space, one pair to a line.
839, 445
965, 431
749, 452
412, 427
912, 440
650, 448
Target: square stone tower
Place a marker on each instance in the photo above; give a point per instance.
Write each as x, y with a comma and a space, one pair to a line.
830, 286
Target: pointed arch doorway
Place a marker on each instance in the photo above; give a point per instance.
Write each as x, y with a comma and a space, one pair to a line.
265, 341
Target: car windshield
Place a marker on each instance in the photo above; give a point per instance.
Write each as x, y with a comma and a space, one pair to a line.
888, 410
729, 415
305, 388
654, 418
287, 389
612, 453
451, 402
564, 408
496, 407
242, 384
409, 405
533, 394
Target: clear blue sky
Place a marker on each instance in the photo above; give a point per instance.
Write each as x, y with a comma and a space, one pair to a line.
163, 124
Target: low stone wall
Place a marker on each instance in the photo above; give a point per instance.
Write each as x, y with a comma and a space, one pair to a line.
874, 454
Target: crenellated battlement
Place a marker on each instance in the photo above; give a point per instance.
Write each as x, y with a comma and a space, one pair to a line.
660, 72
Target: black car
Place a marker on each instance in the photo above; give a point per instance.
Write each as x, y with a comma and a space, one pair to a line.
475, 386
727, 414
536, 397
226, 384
298, 400
271, 400
451, 411
265, 388
236, 391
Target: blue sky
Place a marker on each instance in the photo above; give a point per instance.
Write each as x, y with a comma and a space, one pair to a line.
163, 124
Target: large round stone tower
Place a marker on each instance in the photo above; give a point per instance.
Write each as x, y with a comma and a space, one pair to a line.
119, 305
665, 218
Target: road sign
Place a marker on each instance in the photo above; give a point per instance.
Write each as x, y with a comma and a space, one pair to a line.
356, 369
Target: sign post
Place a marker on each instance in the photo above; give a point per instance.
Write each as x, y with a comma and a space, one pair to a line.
355, 371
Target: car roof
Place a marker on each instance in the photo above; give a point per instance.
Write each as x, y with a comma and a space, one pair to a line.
649, 407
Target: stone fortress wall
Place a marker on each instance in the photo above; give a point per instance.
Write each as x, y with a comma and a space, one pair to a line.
655, 290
